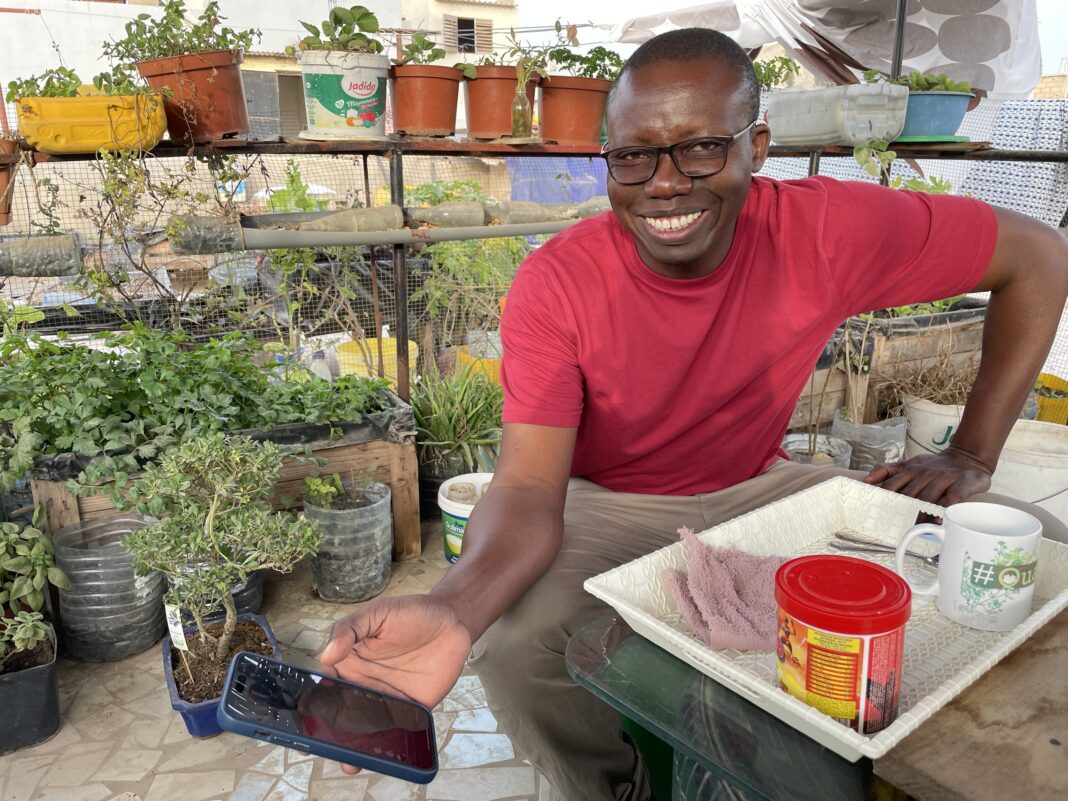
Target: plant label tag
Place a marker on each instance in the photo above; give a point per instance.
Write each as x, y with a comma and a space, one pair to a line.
174, 625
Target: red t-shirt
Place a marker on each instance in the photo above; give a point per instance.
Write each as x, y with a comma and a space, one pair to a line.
680, 387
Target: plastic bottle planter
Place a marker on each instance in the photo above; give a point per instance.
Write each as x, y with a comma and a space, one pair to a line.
354, 559
935, 115
829, 450
30, 702
344, 94
109, 613
60, 125
199, 718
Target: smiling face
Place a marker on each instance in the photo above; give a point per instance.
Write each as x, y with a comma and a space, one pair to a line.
683, 226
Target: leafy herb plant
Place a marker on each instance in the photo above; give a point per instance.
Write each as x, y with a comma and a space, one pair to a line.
919, 82
344, 29
777, 70
27, 564
422, 50
116, 409
597, 62
148, 38
56, 82
21, 633
321, 491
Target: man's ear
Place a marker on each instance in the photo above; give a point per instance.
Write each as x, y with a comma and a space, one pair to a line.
761, 141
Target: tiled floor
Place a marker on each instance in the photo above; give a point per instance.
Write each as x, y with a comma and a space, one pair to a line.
120, 740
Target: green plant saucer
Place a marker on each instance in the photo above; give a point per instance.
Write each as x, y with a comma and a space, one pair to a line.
921, 139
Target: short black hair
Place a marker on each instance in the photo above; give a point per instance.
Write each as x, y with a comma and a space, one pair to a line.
696, 44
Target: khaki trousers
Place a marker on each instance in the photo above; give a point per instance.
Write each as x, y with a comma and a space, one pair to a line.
568, 734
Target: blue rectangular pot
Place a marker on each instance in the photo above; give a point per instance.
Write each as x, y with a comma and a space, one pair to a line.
935, 113
200, 718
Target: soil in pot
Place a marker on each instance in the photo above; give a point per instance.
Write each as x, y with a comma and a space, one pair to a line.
208, 673
40, 654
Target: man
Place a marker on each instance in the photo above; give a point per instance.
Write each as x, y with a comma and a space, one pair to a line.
652, 359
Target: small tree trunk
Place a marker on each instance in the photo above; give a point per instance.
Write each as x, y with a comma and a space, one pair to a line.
222, 648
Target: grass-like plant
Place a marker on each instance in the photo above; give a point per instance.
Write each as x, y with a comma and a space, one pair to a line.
458, 421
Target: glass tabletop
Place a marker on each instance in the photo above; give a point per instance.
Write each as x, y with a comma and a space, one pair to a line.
718, 736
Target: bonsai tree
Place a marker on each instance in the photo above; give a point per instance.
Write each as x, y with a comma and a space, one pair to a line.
214, 527
27, 564
344, 29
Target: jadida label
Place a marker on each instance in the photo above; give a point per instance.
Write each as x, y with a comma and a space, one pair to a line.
356, 99
855, 679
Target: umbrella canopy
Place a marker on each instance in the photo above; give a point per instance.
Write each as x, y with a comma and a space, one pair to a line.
992, 44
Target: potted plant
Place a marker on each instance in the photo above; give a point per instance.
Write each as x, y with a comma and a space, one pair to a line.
571, 107
499, 99
195, 67
458, 427
60, 115
28, 685
345, 76
936, 104
214, 527
9, 146
353, 560
424, 93
117, 410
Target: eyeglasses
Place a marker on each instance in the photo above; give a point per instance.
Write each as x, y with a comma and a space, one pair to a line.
694, 158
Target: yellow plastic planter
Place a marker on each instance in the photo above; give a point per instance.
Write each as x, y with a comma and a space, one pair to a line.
86, 124
360, 357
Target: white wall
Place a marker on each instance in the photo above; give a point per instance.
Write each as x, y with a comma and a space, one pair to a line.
79, 28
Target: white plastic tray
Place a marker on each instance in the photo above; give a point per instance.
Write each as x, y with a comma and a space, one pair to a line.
941, 657
838, 115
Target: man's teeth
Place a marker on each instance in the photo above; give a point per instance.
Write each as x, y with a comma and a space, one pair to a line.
672, 223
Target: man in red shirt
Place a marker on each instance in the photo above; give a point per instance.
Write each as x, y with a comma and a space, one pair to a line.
652, 358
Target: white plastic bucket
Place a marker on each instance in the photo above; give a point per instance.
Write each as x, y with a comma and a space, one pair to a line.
839, 115
344, 94
1034, 462
454, 515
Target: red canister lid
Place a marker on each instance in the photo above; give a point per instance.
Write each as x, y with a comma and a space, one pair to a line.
843, 594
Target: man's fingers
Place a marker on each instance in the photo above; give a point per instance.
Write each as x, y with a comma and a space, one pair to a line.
342, 638
351, 770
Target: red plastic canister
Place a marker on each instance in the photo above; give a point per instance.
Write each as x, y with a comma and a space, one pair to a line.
842, 637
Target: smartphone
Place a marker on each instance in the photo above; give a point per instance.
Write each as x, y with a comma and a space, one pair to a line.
329, 717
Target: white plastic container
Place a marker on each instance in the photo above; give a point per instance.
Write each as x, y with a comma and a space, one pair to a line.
344, 94
454, 514
1034, 462
839, 115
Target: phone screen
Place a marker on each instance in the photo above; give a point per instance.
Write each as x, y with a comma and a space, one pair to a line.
301, 703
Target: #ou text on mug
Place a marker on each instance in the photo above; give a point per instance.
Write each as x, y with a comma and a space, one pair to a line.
986, 572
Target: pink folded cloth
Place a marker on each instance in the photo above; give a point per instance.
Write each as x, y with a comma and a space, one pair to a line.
727, 596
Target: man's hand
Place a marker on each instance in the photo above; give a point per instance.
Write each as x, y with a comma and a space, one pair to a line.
413, 646
944, 478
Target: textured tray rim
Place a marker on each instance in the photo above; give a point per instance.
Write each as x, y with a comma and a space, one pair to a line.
842, 740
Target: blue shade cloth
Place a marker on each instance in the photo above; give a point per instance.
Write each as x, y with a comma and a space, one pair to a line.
557, 180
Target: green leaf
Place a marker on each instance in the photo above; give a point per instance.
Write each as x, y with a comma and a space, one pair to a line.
342, 16
58, 578
314, 31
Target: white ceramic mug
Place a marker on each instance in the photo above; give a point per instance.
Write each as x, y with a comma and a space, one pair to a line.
986, 571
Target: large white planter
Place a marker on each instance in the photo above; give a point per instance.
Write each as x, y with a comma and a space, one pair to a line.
1034, 462
840, 115
344, 94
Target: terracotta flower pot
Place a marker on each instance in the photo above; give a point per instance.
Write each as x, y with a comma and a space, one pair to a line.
571, 110
424, 99
204, 97
488, 101
7, 172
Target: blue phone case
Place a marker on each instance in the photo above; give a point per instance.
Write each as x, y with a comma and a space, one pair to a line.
230, 720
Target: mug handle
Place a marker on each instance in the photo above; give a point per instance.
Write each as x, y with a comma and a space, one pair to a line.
899, 554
